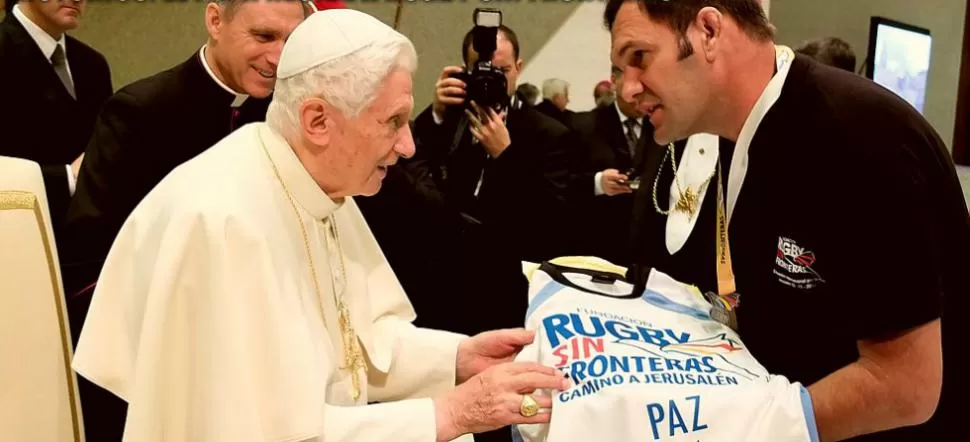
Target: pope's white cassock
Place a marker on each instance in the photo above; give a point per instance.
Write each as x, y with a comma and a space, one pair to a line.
207, 322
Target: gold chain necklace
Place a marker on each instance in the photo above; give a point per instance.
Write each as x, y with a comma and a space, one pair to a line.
688, 200
353, 356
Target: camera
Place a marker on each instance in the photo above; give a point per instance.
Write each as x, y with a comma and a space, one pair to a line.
485, 84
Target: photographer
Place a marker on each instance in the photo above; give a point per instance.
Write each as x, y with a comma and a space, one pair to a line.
500, 178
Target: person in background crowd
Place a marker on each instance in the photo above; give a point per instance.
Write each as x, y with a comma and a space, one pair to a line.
54, 86
528, 94
603, 94
149, 128
832, 51
829, 189
612, 137
499, 179
555, 98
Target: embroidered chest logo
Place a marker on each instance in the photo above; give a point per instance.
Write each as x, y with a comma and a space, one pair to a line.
794, 265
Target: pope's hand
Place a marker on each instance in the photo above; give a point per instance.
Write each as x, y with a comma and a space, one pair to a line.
493, 399
486, 349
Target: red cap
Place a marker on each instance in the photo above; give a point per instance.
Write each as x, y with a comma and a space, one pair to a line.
329, 4
605, 83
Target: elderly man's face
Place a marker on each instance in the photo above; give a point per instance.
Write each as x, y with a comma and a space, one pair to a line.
249, 43
364, 147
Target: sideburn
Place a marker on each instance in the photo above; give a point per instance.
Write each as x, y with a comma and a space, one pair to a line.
685, 47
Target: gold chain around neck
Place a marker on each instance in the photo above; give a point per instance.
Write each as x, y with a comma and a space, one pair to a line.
353, 355
687, 201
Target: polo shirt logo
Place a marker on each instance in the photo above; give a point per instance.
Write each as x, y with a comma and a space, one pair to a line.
794, 265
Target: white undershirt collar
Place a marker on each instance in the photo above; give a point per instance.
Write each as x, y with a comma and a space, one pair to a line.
240, 98
44, 41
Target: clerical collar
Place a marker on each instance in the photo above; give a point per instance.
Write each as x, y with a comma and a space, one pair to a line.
44, 41
240, 98
304, 190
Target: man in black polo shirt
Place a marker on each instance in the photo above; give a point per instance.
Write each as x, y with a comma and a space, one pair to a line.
846, 224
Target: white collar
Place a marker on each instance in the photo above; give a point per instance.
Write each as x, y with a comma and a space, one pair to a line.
623, 116
44, 41
784, 57
696, 168
240, 98
304, 190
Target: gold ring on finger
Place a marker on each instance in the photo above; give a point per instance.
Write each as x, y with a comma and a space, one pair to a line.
529, 406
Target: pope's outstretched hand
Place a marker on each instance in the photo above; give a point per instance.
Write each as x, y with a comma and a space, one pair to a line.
494, 398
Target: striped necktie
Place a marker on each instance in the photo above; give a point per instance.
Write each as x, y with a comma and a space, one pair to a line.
631, 135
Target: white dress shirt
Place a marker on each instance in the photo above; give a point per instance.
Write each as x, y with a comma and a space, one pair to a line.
47, 44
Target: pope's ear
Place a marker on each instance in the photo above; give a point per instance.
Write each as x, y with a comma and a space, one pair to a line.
315, 121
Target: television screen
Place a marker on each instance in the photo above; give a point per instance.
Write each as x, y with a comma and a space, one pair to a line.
899, 59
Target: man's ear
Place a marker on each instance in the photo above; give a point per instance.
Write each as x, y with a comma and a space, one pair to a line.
213, 20
710, 24
316, 121
518, 65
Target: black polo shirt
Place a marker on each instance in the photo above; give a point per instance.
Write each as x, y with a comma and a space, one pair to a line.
850, 225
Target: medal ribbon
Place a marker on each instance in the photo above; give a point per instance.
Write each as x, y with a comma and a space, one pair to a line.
726, 287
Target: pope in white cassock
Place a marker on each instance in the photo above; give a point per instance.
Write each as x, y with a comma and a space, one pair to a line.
245, 299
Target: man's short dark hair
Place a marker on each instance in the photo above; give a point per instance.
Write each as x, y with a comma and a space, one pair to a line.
678, 15
832, 51
229, 7
466, 44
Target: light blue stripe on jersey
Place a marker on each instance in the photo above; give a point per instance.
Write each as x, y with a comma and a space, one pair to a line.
809, 414
551, 288
516, 436
660, 301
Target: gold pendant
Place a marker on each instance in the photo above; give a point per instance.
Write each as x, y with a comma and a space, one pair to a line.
353, 359
687, 202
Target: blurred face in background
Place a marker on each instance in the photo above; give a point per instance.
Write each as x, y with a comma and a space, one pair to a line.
629, 108
54, 16
503, 59
561, 101
246, 39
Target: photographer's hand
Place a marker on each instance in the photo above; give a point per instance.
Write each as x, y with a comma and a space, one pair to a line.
489, 128
448, 91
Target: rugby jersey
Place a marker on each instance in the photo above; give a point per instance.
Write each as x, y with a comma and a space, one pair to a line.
650, 366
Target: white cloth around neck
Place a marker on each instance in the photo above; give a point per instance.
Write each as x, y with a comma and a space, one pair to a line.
695, 167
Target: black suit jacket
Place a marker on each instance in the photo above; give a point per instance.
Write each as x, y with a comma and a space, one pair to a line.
478, 243
605, 219
563, 116
523, 191
39, 120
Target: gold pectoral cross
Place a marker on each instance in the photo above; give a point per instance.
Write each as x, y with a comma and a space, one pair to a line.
353, 356
687, 202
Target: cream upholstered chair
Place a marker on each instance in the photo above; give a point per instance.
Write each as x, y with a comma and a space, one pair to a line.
38, 389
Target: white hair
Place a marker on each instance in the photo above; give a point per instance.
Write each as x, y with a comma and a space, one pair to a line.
554, 87
349, 83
